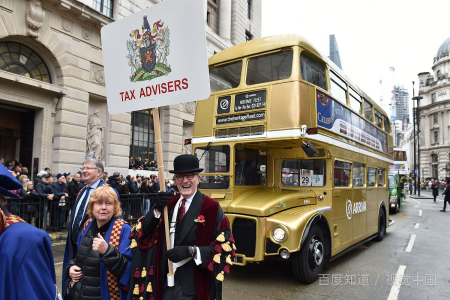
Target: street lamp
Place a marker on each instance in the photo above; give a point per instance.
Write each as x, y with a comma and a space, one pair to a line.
416, 121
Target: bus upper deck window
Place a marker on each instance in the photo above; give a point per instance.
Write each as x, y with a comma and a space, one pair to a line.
225, 77
312, 71
378, 118
368, 110
386, 124
355, 100
338, 88
271, 67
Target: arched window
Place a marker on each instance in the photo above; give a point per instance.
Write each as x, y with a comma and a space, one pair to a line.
19, 59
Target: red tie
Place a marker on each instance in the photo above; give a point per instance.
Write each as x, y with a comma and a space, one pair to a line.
182, 210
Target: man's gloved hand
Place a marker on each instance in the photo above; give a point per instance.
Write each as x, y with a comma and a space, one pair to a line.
161, 200
178, 253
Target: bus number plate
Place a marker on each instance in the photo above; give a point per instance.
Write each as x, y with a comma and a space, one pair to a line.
238, 259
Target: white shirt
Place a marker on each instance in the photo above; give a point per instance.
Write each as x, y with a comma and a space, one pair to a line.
187, 204
93, 187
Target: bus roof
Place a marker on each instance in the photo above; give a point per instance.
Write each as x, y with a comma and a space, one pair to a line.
274, 42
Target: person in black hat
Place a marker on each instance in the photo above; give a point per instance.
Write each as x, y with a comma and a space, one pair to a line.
199, 233
44, 190
25, 253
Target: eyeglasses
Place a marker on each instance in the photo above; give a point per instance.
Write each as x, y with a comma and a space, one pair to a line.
101, 203
82, 169
188, 176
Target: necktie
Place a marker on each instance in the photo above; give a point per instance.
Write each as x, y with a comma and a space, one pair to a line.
79, 217
182, 210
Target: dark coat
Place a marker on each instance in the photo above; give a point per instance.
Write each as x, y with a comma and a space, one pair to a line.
44, 189
74, 188
447, 193
70, 250
435, 189
89, 261
145, 189
59, 189
185, 235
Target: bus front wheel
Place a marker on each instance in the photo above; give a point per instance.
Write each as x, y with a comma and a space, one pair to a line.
381, 226
308, 263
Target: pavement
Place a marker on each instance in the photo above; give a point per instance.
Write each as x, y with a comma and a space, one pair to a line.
408, 264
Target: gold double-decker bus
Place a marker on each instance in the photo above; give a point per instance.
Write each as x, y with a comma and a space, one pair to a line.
296, 154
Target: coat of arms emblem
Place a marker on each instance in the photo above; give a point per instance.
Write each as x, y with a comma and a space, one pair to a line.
148, 51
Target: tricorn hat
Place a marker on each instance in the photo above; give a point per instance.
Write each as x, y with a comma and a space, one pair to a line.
185, 163
8, 182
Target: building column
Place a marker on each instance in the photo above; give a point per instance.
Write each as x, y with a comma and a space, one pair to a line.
225, 19
69, 146
205, 8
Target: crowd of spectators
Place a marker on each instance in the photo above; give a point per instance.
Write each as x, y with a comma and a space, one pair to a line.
61, 193
426, 185
138, 164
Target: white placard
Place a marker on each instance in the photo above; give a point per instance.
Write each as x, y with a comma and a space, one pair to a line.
305, 180
156, 57
317, 180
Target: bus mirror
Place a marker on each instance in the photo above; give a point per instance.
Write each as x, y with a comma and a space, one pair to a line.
312, 130
309, 149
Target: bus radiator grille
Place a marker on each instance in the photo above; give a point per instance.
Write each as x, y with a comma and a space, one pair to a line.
244, 232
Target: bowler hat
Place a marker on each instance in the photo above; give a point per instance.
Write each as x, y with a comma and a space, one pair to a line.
185, 163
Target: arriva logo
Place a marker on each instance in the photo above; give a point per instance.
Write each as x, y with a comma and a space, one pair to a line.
357, 208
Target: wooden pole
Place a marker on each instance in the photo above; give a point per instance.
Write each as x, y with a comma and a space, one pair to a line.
162, 181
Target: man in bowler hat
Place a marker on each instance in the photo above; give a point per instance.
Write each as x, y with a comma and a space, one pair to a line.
198, 228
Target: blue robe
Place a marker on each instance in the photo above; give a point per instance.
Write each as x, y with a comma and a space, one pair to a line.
124, 249
69, 252
27, 269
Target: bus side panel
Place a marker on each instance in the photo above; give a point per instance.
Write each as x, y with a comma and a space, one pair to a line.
359, 216
373, 201
341, 229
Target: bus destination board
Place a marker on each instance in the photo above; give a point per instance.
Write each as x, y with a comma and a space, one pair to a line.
332, 115
241, 118
248, 101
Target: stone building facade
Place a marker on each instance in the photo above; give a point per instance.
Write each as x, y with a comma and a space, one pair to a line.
52, 89
434, 114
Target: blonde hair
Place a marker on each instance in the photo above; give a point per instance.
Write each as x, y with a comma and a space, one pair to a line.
104, 193
21, 177
25, 185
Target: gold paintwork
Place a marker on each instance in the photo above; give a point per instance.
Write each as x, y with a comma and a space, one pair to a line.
290, 103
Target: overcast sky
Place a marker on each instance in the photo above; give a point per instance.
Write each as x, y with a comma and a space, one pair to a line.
372, 36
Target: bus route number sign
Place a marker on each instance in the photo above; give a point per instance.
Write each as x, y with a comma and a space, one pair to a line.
248, 101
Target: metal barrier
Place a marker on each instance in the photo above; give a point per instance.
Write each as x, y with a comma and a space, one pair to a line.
55, 214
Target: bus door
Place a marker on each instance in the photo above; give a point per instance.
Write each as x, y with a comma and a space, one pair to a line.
372, 196
359, 203
342, 228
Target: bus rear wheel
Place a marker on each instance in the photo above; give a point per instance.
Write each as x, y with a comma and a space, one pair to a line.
381, 226
308, 263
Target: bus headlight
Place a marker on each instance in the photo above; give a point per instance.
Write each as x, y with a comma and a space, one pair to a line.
278, 234
393, 199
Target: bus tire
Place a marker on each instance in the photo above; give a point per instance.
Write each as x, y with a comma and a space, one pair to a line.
381, 226
308, 263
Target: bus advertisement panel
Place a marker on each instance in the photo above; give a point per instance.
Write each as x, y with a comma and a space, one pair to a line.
333, 116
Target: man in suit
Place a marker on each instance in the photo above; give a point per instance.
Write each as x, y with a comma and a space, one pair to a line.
198, 228
91, 174
245, 170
